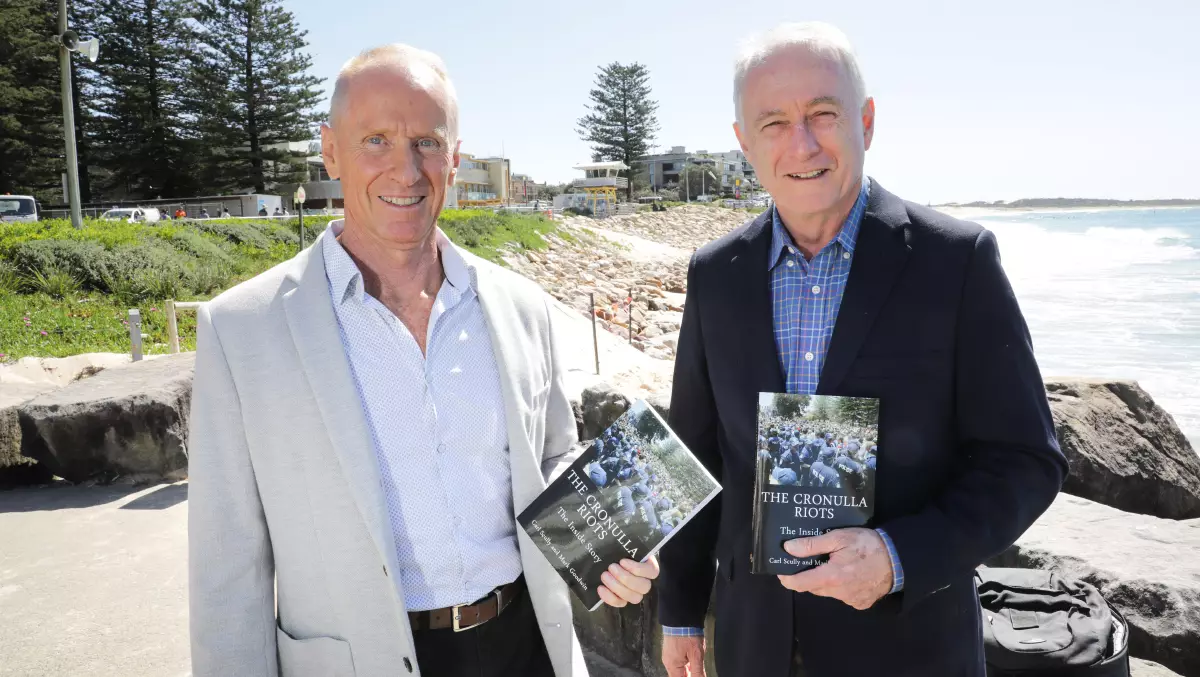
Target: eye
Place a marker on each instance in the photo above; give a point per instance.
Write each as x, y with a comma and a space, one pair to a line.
773, 124
825, 114
375, 140
428, 144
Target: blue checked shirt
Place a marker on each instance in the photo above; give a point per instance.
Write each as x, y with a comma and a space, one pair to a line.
805, 298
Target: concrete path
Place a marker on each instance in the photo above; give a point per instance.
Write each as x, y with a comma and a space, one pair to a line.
93, 581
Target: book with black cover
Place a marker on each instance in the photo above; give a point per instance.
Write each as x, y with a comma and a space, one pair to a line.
815, 472
626, 495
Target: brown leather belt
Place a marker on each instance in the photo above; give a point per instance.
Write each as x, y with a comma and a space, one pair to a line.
466, 616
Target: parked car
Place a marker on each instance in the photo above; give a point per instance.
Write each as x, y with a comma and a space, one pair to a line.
138, 214
18, 208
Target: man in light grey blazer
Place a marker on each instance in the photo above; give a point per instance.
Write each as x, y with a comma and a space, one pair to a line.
368, 419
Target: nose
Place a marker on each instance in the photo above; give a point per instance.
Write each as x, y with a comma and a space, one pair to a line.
406, 165
804, 141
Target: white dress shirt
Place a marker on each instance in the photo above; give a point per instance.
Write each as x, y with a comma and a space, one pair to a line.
437, 421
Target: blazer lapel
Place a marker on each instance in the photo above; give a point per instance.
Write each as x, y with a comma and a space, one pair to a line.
751, 309
314, 329
879, 257
503, 326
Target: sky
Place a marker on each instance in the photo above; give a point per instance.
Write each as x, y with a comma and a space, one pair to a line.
995, 100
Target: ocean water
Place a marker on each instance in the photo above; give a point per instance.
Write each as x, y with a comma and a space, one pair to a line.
1111, 293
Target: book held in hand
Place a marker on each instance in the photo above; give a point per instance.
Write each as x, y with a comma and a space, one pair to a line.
626, 495
815, 472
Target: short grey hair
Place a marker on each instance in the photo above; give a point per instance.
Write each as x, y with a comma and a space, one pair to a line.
820, 39
406, 56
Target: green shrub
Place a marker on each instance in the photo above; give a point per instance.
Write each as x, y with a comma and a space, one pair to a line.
202, 247
238, 232
85, 261
10, 278
54, 283
208, 278
578, 211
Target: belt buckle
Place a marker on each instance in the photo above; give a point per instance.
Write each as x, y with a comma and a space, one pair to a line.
456, 616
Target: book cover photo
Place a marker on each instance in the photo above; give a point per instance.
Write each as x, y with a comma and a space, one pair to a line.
815, 472
626, 495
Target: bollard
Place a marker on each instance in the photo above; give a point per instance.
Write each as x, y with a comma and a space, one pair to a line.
135, 333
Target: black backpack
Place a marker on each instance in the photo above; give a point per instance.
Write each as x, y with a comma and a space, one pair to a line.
1037, 623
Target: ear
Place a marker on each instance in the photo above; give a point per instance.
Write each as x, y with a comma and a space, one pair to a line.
737, 131
457, 159
329, 152
868, 120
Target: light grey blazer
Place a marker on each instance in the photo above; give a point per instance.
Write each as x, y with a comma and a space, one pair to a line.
291, 563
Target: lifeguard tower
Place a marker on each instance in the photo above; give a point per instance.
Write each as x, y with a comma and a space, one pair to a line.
601, 184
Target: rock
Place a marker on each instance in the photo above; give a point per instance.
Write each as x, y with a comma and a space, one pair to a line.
1142, 668
602, 405
12, 395
1124, 450
1145, 566
129, 421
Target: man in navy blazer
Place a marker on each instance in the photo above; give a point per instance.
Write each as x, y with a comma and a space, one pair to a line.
841, 288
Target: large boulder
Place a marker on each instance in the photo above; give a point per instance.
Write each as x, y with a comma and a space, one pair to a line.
128, 421
1146, 566
12, 396
1124, 450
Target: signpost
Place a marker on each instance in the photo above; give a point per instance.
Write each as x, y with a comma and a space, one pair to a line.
300, 212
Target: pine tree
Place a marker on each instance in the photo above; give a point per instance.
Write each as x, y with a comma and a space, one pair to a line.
31, 138
139, 111
621, 121
251, 90
858, 411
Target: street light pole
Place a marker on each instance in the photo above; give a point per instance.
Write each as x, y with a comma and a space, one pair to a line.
64, 60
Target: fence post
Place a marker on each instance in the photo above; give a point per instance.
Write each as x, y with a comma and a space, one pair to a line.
595, 341
172, 328
631, 316
135, 332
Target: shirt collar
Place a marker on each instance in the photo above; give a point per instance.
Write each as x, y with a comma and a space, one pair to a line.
847, 236
345, 279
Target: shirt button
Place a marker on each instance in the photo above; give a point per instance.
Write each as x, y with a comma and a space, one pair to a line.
816, 289
846, 255
791, 263
809, 356
791, 251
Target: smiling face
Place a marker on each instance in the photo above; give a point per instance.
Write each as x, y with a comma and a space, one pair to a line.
392, 144
804, 131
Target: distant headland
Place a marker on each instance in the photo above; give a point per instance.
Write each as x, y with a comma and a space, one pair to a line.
1072, 202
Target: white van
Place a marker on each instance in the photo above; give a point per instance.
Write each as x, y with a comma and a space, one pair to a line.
18, 208
140, 214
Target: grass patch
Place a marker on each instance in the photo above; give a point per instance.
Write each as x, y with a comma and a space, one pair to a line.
41, 325
486, 234
65, 291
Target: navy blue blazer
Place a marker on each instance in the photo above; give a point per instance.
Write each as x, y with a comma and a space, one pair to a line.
968, 457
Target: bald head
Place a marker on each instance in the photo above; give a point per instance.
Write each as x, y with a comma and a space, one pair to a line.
421, 69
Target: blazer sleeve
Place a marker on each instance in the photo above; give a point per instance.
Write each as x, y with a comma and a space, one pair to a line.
1010, 466
561, 433
231, 571
687, 562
